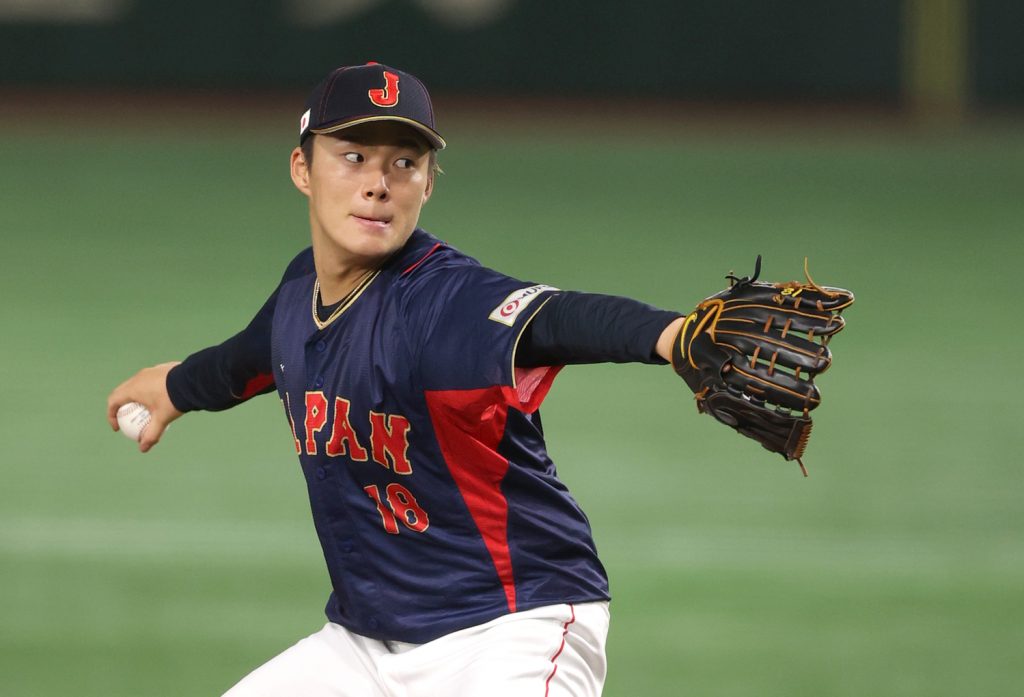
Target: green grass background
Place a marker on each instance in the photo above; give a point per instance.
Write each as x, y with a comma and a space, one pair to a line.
895, 569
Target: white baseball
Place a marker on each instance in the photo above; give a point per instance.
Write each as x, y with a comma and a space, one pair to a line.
132, 419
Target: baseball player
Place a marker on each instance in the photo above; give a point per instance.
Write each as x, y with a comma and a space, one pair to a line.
411, 377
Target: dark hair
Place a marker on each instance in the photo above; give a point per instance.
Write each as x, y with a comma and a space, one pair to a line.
307, 149
307, 155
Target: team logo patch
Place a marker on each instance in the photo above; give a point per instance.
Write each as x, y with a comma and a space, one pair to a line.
304, 122
515, 303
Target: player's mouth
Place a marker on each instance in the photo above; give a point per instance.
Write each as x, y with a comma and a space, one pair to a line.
370, 222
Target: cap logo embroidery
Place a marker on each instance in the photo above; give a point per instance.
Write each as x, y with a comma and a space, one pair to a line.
387, 96
303, 122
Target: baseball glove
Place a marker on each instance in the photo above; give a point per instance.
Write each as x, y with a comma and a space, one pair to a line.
751, 352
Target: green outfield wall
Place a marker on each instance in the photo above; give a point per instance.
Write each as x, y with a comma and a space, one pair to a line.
731, 49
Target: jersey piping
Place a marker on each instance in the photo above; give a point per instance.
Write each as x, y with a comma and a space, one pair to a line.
346, 303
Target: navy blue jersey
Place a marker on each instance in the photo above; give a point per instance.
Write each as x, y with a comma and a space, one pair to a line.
432, 493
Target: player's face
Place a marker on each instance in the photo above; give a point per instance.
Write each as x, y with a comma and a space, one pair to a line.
366, 186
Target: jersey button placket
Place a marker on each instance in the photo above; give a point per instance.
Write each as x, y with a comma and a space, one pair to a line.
319, 346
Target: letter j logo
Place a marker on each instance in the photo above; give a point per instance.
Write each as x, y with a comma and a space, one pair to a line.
387, 96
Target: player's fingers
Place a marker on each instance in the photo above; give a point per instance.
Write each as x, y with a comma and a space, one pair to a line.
159, 420
148, 387
114, 402
150, 435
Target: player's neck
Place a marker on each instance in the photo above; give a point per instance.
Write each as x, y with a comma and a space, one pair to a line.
335, 285
339, 271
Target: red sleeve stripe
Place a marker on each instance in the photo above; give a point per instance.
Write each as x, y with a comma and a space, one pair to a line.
532, 386
257, 385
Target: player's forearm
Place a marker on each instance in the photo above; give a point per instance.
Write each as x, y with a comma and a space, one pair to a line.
575, 328
222, 376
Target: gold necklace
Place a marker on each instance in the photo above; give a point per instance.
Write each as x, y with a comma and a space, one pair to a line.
346, 301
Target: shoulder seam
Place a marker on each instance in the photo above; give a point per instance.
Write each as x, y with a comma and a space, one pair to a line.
422, 259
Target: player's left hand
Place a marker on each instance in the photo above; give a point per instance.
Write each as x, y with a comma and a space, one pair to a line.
751, 352
149, 388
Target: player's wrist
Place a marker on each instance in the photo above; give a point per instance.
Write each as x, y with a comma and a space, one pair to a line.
174, 384
667, 339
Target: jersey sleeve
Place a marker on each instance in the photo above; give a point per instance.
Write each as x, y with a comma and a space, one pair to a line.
222, 376
464, 326
575, 328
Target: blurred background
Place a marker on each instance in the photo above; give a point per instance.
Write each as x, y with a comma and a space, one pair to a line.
642, 149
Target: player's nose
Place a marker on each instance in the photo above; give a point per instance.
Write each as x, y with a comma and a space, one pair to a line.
376, 187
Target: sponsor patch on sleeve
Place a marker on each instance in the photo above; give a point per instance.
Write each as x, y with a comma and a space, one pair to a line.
516, 302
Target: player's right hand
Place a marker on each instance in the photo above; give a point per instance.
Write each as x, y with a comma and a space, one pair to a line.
149, 388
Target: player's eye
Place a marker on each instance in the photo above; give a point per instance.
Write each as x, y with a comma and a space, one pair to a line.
405, 163
354, 157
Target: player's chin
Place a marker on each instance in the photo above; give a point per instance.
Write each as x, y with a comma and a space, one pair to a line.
377, 243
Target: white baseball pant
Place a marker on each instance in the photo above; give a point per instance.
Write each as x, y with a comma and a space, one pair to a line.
553, 651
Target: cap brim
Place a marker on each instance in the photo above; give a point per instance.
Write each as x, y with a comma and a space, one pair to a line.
432, 136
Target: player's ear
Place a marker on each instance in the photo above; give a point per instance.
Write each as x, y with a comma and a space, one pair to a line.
430, 186
300, 171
